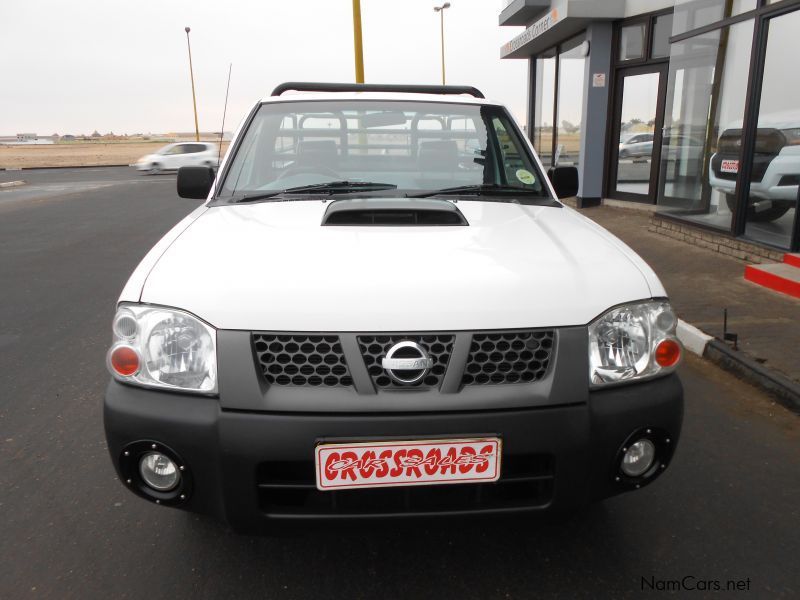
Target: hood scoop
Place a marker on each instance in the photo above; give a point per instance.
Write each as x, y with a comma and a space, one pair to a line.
393, 212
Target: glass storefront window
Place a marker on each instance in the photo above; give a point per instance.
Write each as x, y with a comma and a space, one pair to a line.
544, 108
702, 137
631, 41
772, 202
637, 132
662, 30
571, 80
691, 14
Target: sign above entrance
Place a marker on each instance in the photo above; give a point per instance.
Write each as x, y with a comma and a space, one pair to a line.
531, 33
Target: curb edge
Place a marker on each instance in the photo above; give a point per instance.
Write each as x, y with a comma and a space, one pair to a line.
692, 338
783, 389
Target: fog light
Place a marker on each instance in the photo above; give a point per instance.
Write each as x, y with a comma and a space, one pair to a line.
159, 471
638, 458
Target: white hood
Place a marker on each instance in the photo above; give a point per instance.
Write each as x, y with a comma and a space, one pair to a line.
272, 266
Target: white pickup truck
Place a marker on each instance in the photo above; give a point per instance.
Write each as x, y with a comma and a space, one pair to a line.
776, 166
382, 310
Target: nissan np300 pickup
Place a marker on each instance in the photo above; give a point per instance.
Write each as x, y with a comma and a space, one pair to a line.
381, 310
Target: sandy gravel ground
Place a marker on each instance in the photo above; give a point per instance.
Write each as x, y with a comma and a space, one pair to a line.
77, 154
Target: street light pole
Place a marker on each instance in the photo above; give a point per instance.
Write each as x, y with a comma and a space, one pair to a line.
357, 43
440, 10
191, 75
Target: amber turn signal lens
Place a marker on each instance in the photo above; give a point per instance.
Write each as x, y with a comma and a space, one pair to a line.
125, 360
668, 353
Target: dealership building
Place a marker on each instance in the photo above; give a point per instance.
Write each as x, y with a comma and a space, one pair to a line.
692, 106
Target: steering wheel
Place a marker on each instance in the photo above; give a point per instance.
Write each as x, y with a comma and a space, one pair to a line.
318, 170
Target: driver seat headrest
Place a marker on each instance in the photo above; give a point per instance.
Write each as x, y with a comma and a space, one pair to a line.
317, 153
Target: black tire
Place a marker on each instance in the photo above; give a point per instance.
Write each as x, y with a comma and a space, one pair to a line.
623, 154
154, 169
774, 212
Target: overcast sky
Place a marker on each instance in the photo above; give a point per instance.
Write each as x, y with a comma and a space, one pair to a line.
122, 66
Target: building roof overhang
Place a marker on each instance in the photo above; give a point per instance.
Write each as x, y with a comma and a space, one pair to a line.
565, 19
522, 12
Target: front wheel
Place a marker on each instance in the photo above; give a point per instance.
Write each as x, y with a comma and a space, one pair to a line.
774, 212
154, 169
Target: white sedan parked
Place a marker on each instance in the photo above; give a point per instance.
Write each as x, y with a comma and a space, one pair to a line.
174, 156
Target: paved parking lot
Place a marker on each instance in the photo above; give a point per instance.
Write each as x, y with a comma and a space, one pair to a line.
727, 509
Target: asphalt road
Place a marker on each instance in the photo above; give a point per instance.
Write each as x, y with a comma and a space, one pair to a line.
728, 508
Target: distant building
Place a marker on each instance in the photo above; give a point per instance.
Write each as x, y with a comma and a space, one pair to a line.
26, 139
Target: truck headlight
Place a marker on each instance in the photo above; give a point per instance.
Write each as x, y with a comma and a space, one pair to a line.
633, 341
165, 348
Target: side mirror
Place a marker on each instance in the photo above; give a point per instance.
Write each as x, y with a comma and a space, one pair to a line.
195, 182
564, 180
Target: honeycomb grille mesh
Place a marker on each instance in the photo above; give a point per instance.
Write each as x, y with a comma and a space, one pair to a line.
374, 348
302, 360
513, 357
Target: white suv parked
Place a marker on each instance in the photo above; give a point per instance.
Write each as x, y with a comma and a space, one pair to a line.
184, 154
383, 310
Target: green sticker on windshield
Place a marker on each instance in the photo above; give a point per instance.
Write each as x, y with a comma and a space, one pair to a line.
526, 177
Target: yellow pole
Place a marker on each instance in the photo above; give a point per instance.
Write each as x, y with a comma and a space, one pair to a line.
191, 74
359, 48
441, 12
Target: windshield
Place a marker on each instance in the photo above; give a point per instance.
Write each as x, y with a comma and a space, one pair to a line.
413, 146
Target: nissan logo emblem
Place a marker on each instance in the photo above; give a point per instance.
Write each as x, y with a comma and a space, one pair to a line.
407, 362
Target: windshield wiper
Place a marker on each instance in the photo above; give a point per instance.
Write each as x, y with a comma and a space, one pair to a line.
335, 187
329, 187
255, 197
483, 189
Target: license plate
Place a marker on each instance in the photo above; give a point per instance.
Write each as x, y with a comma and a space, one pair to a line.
729, 166
418, 462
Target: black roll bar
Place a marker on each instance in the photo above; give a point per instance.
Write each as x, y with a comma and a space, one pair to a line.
308, 86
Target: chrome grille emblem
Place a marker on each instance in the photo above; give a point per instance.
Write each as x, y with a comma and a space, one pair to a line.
407, 362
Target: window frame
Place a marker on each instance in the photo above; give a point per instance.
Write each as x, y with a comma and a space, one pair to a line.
551, 52
633, 66
650, 20
764, 13
761, 15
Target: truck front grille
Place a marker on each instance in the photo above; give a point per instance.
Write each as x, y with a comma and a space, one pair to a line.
374, 348
768, 141
498, 357
302, 360
319, 359
760, 165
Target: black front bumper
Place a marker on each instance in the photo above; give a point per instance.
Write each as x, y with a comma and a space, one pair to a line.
253, 468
